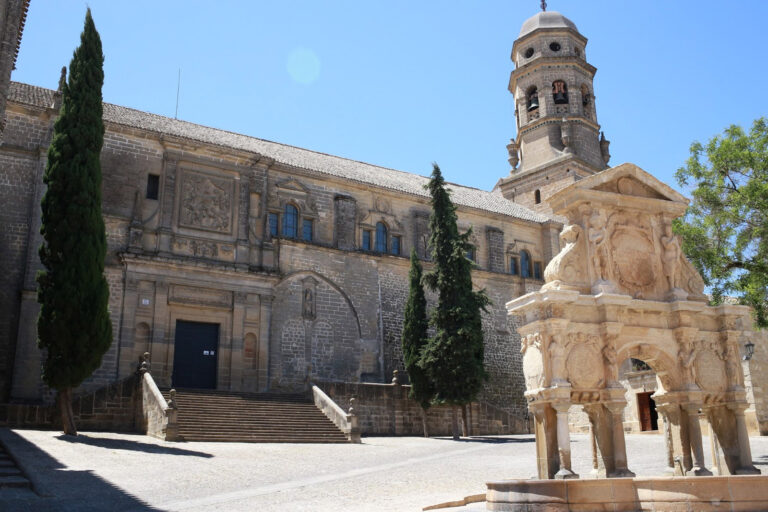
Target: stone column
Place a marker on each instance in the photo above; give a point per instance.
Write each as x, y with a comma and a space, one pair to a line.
265, 321
669, 445
127, 336
546, 439
694, 438
619, 445
237, 341
745, 453
161, 346
563, 441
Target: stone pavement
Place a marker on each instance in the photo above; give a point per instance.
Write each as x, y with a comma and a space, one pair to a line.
111, 472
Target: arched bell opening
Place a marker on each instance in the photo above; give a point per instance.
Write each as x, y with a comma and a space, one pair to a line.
532, 98
560, 92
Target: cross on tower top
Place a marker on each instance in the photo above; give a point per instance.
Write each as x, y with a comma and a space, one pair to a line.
543, 5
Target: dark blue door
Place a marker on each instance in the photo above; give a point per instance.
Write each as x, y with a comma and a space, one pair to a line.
195, 354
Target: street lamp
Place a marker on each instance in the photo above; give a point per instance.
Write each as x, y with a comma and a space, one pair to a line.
750, 350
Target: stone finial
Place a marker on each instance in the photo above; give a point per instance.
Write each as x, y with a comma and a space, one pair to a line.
543, 6
352, 410
513, 148
395, 378
172, 399
144, 363
606, 154
565, 135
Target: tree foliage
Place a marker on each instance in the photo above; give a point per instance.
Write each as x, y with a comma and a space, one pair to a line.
453, 357
725, 230
74, 326
415, 326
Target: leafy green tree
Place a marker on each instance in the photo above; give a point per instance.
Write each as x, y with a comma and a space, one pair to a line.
453, 358
415, 326
725, 230
74, 327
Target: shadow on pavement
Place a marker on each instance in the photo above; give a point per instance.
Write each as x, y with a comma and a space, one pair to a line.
60, 489
126, 444
492, 440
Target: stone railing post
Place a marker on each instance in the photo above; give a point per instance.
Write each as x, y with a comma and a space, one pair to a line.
172, 413
354, 430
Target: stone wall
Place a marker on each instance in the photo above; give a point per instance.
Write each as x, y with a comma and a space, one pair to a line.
385, 409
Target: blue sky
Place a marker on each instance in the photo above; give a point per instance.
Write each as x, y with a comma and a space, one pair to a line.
401, 84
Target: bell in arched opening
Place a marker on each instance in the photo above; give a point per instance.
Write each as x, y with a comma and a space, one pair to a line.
560, 92
533, 99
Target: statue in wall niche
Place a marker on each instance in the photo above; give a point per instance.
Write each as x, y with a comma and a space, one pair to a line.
611, 359
671, 256
601, 254
308, 304
566, 270
687, 355
556, 352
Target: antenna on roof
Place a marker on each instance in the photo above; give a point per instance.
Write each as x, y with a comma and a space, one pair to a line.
178, 86
543, 5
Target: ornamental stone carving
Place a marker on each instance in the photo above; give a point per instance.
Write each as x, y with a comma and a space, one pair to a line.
584, 361
710, 372
566, 270
206, 202
533, 363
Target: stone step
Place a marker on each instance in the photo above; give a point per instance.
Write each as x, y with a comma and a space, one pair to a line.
14, 481
265, 439
10, 471
4, 463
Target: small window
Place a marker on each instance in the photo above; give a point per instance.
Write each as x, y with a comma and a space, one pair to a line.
153, 186
395, 245
537, 270
537, 196
554, 46
381, 237
529, 53
470, 254
366, 240
290, 221
306, 230
272, 219
513, 266
525, 264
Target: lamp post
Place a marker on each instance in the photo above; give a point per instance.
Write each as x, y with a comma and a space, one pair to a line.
750, 350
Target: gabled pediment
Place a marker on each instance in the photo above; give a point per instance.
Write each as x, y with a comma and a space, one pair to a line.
626, 185
293, 185
630, 180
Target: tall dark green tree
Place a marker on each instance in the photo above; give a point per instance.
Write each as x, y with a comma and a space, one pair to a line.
453, 357
725, 230
415, 326
74, 326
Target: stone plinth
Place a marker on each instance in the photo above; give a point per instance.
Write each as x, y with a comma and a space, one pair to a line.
631, 494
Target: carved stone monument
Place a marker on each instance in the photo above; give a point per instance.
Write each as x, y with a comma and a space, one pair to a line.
619, 288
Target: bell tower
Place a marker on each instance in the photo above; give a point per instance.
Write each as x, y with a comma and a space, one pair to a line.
558, 137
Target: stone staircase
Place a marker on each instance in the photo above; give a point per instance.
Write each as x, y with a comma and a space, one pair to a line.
222, 416
10, 475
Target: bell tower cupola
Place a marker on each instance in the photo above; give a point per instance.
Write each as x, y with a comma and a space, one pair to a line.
558, 137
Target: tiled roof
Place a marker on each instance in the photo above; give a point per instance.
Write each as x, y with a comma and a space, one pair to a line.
297, 157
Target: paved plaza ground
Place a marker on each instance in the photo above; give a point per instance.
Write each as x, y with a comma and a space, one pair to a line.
111, 472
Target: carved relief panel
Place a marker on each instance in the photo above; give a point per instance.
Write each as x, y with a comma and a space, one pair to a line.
206, 202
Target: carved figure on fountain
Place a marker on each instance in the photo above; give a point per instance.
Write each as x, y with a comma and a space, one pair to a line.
567, 269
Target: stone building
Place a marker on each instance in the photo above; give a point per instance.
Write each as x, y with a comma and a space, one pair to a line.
248, 265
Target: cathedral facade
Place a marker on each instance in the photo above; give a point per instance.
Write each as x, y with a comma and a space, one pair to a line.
247, 265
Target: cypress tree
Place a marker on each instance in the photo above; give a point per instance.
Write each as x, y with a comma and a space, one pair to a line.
453, 357
415, 325
74, 327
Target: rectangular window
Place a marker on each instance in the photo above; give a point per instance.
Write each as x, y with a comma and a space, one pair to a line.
470, 254
272, 219
153, 186
306, 230
366, 240
537, 270
395, 245
513, 266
